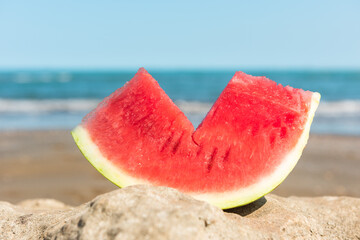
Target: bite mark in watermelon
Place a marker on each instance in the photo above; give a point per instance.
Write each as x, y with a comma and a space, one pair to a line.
247, 144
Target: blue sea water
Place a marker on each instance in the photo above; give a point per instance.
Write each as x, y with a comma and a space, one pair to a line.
59, 99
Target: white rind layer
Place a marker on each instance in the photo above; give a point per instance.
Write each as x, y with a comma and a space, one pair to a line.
222, 199
92, 153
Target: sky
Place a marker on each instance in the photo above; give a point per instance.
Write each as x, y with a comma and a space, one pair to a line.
123, 34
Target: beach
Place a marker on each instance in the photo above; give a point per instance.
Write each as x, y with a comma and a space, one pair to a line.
48, 164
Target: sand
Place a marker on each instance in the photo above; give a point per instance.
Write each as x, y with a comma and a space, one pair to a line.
48, 164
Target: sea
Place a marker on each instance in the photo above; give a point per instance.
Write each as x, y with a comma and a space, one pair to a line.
59, 99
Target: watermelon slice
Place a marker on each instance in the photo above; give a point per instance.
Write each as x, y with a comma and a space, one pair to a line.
246, 146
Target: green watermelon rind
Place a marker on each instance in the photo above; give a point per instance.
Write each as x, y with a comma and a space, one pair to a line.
93, 154
222, 200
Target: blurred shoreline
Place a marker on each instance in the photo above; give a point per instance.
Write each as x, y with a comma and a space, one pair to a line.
48, 164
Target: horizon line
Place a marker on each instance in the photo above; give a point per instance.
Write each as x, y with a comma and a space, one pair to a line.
178, 69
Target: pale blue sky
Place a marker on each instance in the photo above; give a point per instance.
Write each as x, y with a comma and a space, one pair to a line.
186, 34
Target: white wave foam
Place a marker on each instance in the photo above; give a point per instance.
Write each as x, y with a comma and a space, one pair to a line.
47, 106
193, 107
27, 106
339, 108
326, 109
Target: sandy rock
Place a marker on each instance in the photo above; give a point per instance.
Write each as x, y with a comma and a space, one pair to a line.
43, 204
144, 212
302, 218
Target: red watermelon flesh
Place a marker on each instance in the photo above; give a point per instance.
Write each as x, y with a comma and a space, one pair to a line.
244, 137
